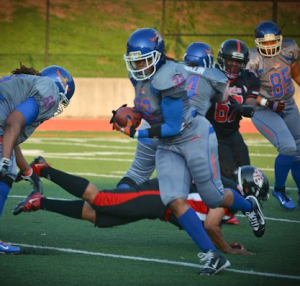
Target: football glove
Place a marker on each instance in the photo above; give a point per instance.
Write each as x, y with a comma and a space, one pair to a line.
113, 119
236, 107
129, 129
276, 106
4, 166
244, 110
34, 180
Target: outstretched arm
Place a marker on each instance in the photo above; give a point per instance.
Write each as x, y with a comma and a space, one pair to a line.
212, 225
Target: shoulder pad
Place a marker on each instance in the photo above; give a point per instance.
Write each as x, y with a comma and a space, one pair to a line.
214, 75
290, 50
251, 78
170, 75
249, 74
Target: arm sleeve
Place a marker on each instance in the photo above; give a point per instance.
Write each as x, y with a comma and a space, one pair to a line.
172, 111
29, 109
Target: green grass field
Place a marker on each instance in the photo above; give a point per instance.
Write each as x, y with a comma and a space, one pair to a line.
57, 250
89, 38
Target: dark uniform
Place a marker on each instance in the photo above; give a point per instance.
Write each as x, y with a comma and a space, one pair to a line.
122, 206
233, 151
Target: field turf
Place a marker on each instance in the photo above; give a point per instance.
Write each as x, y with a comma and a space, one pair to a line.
58, 250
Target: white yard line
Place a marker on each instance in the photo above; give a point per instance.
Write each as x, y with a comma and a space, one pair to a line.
162, 261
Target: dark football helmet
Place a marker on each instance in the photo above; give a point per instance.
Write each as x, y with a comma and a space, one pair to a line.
233, 56
200, 55
148, 45
253, 182
268, 39
64, 82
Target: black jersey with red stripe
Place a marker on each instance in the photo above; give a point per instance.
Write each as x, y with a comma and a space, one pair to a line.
221, 115
122, 206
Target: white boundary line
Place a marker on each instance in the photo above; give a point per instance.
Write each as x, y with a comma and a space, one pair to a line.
164, 261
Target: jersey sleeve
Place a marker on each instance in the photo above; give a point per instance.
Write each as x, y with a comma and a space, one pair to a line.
252, 83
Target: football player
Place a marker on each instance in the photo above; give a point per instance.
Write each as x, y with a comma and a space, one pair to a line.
187, 146
225, 117
199, 60
27, 99
277, 117
199, 54
108, 208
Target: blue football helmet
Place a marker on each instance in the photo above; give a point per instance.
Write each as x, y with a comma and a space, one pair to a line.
65, 83
233, 50
252, 182
144, 45
266, 32
199, 54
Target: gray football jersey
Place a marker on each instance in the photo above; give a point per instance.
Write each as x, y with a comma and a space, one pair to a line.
169, 80
203, 86
15, 89
275, 72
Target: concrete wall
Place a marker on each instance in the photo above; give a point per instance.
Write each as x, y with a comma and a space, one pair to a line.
97, 97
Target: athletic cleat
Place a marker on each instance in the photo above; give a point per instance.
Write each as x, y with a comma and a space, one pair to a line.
256, 217
284, 199
232, 220
214, 262
8, 249
31, 203
38, 164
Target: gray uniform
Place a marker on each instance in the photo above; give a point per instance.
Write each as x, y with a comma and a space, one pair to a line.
14, 90
179, 159
281, 129
203, 86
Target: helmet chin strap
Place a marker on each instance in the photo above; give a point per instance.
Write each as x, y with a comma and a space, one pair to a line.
63, 103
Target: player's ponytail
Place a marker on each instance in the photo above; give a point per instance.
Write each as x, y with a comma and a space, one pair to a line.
25, 70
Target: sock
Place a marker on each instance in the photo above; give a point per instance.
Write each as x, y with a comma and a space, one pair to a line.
123, 186
296, 174
194, 227
239, 203
72, 184
283, 165
67, 208
4, 190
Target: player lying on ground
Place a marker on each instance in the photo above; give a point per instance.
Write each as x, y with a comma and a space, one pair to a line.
107, 208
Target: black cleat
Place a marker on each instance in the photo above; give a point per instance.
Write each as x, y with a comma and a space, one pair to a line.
256, 217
